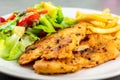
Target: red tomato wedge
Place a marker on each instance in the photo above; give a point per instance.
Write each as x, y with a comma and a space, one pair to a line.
2, 20
28, 18
11, 17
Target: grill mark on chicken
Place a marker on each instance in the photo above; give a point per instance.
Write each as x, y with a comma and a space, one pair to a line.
66, 42
86, 38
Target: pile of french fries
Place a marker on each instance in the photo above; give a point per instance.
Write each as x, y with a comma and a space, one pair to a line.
103, 23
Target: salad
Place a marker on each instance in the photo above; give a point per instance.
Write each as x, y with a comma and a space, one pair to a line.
22, 29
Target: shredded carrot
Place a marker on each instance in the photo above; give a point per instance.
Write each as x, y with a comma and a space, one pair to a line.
40, 11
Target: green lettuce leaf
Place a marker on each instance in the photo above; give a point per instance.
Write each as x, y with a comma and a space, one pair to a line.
67, 22
10, 47
60, 16
45, 25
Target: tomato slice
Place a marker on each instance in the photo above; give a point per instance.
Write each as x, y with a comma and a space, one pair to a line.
11, 17
2, 20
28, 18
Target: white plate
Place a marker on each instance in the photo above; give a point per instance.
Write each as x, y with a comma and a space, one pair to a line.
106, 70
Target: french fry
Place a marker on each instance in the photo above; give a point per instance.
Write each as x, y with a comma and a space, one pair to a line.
86, 17
105, 20
106, 12
104, 31
98, 23
112, 22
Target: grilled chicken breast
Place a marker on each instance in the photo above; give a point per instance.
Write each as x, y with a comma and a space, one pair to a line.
93, 50
70, 50
56, 46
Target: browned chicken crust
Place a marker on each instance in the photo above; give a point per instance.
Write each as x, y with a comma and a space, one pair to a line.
70, 50
56, 46
101, 48
93, 50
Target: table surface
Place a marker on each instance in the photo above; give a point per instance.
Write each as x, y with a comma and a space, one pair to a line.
8, 6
